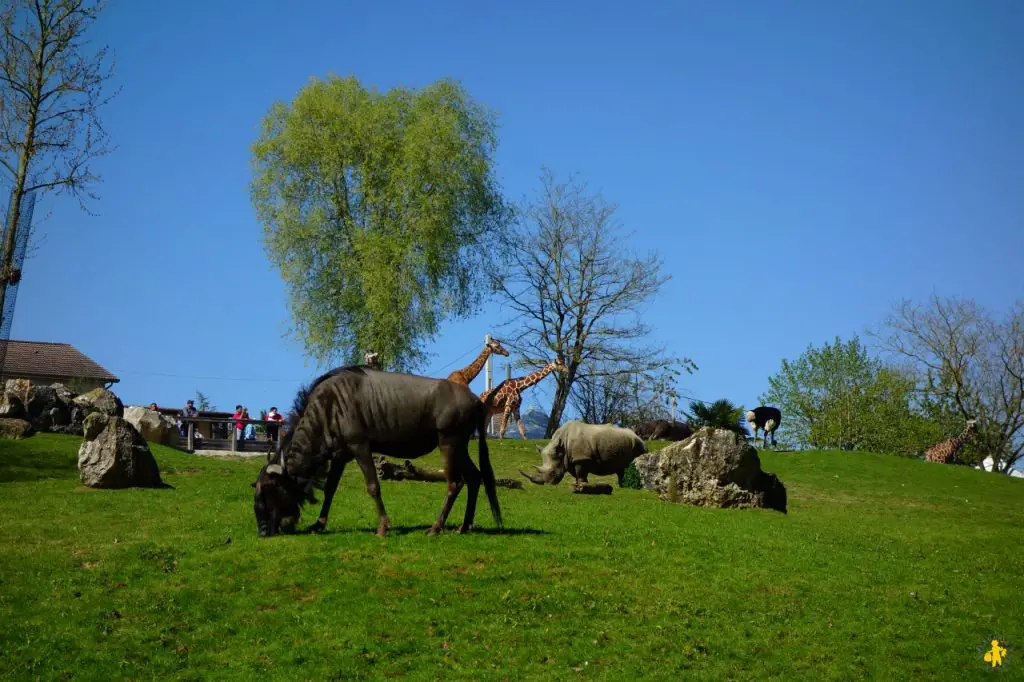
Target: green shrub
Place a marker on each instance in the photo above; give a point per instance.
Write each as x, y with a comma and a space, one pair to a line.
631, 478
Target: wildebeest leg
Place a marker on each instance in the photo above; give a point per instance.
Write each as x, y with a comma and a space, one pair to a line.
330, 487
453, 469
619, 475
472, 477
365, 459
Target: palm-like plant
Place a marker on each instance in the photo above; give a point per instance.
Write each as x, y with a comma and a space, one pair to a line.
720, 414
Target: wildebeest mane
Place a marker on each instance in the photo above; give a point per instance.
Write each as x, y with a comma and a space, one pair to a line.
300, 404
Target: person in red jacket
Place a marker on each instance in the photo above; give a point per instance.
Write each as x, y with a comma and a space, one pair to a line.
273, 428
238, 416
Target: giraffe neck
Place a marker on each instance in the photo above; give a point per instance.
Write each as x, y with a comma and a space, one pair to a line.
532, 379
474, 367
958, 441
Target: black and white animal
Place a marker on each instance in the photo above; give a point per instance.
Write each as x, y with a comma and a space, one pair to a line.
352, 412
766, 419
581, 449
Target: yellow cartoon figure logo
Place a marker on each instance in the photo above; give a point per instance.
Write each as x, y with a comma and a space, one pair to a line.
995, 655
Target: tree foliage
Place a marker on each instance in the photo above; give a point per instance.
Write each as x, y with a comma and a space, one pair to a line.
379, 210
838, 396
972, 367
51, 90
721, 414
573, 288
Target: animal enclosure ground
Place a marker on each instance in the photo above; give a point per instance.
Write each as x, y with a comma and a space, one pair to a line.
884, 567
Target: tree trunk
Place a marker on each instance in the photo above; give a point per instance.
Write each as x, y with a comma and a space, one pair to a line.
564, 381
14, 210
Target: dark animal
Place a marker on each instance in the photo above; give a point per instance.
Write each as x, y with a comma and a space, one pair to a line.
767, 419
352, 412
583, 449
663, 429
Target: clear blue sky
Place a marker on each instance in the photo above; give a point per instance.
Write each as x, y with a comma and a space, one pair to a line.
800, 166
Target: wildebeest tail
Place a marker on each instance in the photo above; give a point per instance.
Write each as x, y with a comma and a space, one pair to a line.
486, 471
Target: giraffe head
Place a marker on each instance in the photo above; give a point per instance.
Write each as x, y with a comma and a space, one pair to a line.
558, 364
495, 347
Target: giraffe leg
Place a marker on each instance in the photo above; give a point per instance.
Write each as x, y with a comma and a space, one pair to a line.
519, 422
504, 423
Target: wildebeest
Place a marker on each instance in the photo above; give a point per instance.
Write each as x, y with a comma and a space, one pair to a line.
766, 419
663, 429
583, 449
352, 412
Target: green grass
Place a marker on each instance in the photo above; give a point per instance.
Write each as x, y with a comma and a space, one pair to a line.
883, 568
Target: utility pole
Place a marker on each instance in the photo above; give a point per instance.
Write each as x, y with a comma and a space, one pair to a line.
487, 367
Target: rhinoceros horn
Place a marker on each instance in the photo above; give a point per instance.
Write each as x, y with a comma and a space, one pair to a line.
539, 480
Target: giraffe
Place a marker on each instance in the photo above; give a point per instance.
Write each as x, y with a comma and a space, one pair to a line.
506, 397
946, 452
467, 374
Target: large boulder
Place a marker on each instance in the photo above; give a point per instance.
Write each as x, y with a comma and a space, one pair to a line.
15, 429
11, 406
100, 400
712, 468
19, 387
114, 455
154, 427
41, 399
64, 394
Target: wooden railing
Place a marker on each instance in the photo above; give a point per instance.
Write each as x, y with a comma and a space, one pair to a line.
194, 435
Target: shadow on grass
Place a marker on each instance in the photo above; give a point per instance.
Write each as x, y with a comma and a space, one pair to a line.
423, 528
19, 464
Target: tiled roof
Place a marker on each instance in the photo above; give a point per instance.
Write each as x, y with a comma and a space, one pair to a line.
39, 358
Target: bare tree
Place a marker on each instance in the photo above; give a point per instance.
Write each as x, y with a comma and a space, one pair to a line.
973, 368
50, 92
604, 394
573, 289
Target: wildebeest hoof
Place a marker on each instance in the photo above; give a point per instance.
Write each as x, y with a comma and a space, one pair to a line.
317, 527
433, 530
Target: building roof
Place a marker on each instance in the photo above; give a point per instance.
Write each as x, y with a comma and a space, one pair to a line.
40, 358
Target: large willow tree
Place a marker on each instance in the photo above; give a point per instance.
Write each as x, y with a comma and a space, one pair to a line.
379, 210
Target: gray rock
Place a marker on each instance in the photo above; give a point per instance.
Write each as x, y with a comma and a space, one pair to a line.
15, 429
154, 427
41, 399
712, 468
100, 400
11, 406
114, 455
64, 394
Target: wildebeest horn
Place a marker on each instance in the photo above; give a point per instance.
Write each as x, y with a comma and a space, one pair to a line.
275, 469
537, 467
538, 448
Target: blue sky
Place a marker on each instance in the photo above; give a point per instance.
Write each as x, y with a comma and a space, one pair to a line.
799, 165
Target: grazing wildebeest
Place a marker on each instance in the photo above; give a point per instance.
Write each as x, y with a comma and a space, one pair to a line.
351, 413
663, 429
583, 449
766, 419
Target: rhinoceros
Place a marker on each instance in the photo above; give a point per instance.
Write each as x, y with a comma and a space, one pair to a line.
583, 449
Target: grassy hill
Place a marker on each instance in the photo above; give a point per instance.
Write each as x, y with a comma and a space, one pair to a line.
883, 568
